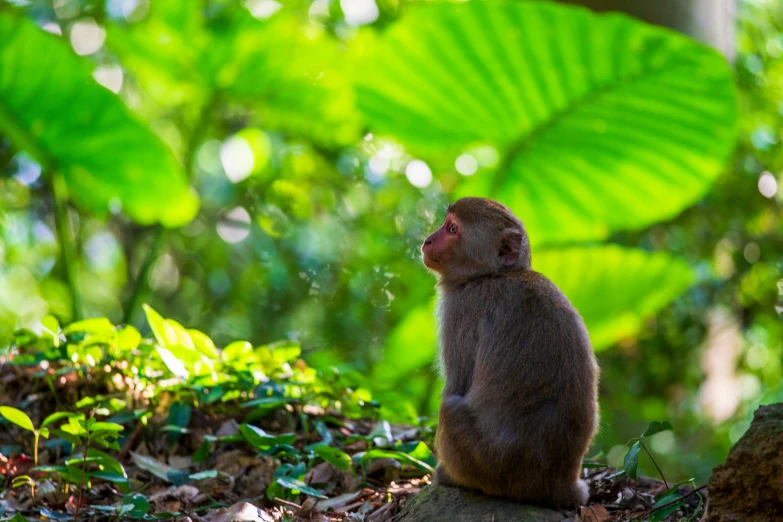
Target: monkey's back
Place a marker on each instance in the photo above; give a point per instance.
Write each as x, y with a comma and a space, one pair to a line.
532, 390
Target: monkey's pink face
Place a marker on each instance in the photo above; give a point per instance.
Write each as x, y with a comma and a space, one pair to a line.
438, 248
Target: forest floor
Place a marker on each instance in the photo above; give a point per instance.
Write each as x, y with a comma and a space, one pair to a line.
132, 436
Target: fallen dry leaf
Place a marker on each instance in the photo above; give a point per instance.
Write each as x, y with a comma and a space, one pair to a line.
234, 462
594, 513
336, 502
242, 511
383, 513
320, 474
228, 428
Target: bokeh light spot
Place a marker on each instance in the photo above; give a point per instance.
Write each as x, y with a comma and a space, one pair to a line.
487, 156
208, 157
418, 173
164, 276
359, 12
752, 252
236, 155
28, 170
319, 11
466, 164
87, 37
110, 76
52, 27
262, 9
235, 226
768, 185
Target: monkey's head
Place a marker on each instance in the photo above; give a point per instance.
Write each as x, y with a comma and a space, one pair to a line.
479, 237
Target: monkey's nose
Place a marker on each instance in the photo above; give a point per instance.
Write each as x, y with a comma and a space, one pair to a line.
427, 242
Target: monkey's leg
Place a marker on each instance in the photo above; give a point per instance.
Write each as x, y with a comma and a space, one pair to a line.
461, 441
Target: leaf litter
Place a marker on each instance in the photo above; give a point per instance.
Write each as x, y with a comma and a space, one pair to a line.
254, 434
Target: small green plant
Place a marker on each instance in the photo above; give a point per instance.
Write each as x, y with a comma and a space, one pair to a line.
671, 500
81, 433
631, 461
21, 419
88, 435
180, 371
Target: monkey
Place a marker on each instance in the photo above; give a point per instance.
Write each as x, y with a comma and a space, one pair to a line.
519, 406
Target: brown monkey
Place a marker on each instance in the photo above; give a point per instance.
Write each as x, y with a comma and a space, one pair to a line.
520, 403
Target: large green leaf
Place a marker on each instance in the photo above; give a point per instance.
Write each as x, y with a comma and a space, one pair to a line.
290, 73
602, 122
615, 289
51, 107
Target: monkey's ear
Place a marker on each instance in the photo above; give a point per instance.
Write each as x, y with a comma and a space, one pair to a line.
510, 247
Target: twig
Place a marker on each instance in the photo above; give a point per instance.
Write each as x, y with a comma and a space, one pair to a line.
656, 508
654, 463
131, 439
288, 503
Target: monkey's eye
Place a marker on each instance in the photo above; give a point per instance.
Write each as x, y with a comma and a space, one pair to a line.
452, 229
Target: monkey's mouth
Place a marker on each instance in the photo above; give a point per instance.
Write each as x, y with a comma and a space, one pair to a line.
429, 261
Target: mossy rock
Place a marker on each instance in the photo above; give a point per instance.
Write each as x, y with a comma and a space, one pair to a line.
440, 504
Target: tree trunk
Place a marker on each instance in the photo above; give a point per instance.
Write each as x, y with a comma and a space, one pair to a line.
709, 21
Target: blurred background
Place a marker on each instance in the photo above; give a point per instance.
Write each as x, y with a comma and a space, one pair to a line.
267, 170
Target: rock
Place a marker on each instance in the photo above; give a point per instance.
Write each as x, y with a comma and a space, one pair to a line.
748, 487
440, 504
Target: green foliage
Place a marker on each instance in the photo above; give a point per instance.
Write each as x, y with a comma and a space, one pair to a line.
589, 144
18, 417
592, 127
297, 486
273, 376
76, 127
657, 427
334, 456
632, 286
668, 502
401, 457
87, 434
203, 374
631, 459
293, 79
134, 505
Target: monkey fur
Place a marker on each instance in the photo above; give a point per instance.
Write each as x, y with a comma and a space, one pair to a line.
520, 406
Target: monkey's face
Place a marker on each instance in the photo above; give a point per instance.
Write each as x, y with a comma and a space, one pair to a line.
439, 248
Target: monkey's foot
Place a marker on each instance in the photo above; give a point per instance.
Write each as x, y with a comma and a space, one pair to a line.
442, 478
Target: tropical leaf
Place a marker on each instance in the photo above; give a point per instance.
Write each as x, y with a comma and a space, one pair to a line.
615, 289
51, 107
602, 122
289, 73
